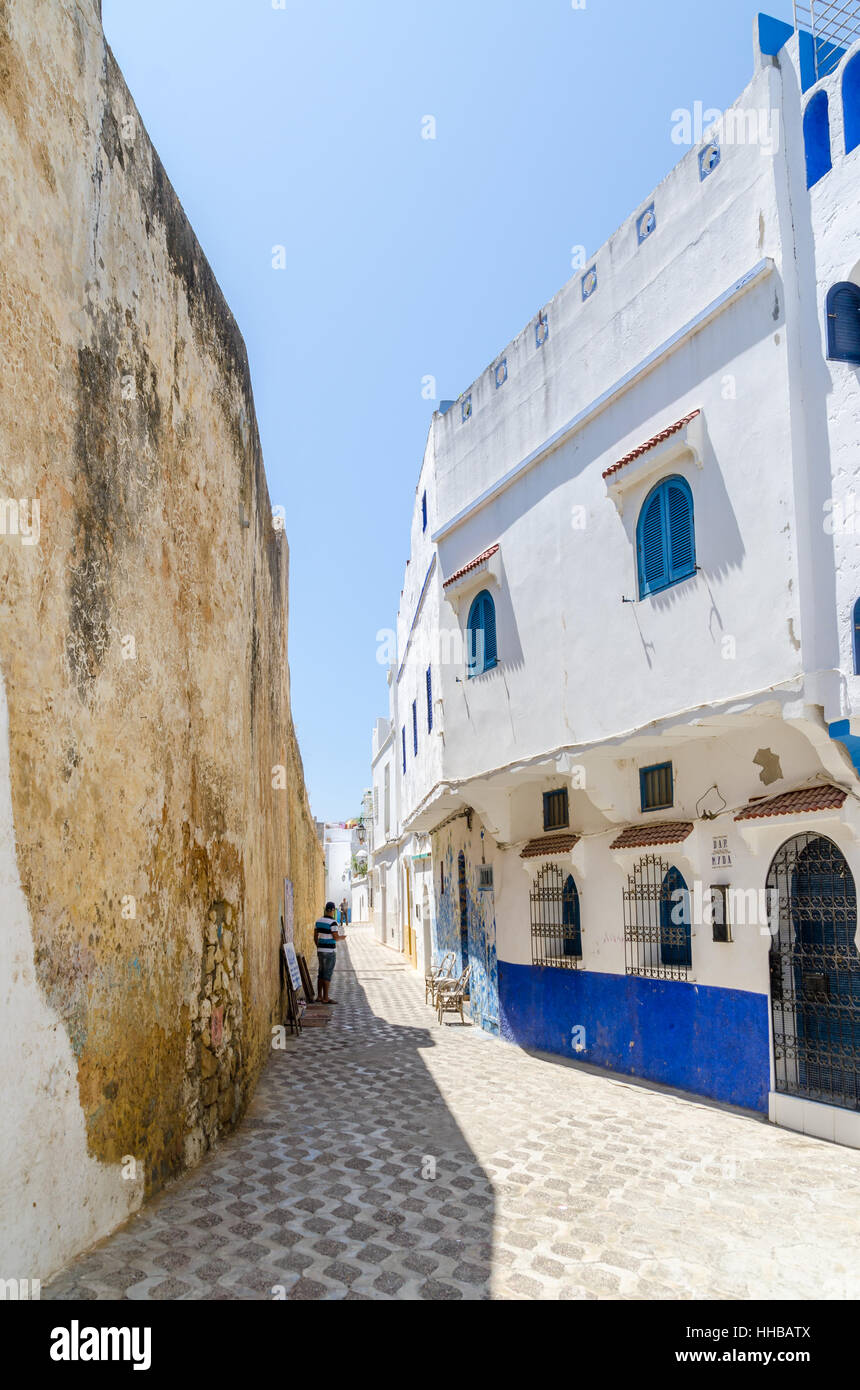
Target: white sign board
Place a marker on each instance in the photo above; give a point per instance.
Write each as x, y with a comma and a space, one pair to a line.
293, 965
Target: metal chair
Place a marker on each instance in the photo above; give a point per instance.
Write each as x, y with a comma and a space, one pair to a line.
450, 995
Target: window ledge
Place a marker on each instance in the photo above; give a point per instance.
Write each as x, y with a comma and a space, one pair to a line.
488, 671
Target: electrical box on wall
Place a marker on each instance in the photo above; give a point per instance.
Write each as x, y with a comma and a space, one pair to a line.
485, 878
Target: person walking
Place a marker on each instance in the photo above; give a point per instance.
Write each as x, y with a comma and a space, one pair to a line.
326, 937
344, 913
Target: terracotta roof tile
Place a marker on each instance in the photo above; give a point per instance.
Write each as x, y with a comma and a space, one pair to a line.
549, 844
667, 832
822, 797
472, 565
652, 443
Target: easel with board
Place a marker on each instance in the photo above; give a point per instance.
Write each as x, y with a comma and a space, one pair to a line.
293, 981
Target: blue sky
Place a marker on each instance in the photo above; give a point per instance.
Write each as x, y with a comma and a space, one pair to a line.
405, 257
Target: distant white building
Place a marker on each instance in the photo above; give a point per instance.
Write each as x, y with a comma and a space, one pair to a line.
624, 713
385, 855
361, 880
337, 843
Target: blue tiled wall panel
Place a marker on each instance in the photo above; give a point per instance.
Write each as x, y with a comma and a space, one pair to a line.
713, 1042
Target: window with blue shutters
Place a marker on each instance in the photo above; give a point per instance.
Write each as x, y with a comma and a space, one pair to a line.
424, 512
404, 747
481, 654
665, 537
857, 638
656, 788
556, 812
429, 700
843, 323
415, 727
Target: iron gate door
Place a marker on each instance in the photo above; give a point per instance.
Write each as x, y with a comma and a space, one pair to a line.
815, 973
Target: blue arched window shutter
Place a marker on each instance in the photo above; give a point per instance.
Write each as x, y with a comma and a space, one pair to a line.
843, 323
665, 537
570, 919
653, 569
481, 654
679, 519
675, 921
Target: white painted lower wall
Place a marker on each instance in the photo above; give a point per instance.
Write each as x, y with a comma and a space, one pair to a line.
55, 1200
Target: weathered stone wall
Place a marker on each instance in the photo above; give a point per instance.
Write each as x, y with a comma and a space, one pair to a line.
143, 634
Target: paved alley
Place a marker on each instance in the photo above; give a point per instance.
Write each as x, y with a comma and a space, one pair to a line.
384, 1157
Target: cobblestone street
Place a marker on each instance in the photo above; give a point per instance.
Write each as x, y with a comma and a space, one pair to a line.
551, 1180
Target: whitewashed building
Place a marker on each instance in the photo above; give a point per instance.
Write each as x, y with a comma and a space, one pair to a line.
626, 704
361, 879
338, 847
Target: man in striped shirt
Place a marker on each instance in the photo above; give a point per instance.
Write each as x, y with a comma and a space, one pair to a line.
326, 937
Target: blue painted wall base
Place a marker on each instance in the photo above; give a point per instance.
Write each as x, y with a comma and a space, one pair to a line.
713, 1042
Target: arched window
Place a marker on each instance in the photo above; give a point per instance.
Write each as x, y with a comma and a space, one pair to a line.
570, 920
675, 921
843, 322
481, 652
555, 924
816, 138
851, 104
665, 537
857, 638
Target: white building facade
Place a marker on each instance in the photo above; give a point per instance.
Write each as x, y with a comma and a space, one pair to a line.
338, 847
361, 879
626, 704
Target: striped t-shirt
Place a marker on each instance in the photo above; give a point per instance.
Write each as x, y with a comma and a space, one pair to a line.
325, 940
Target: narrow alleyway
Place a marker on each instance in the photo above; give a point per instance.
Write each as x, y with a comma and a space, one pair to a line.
551, 1180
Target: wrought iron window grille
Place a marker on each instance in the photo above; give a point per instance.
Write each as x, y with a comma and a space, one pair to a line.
815, 973
657, 922
555, 919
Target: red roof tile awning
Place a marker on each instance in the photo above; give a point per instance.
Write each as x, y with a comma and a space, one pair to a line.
667, 832
549, 845
472, 565
824, 797
652, 443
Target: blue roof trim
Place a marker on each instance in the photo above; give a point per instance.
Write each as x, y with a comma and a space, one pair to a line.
773, 34
841, 733
417, 612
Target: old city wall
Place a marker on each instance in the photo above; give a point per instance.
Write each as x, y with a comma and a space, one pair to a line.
145, 827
